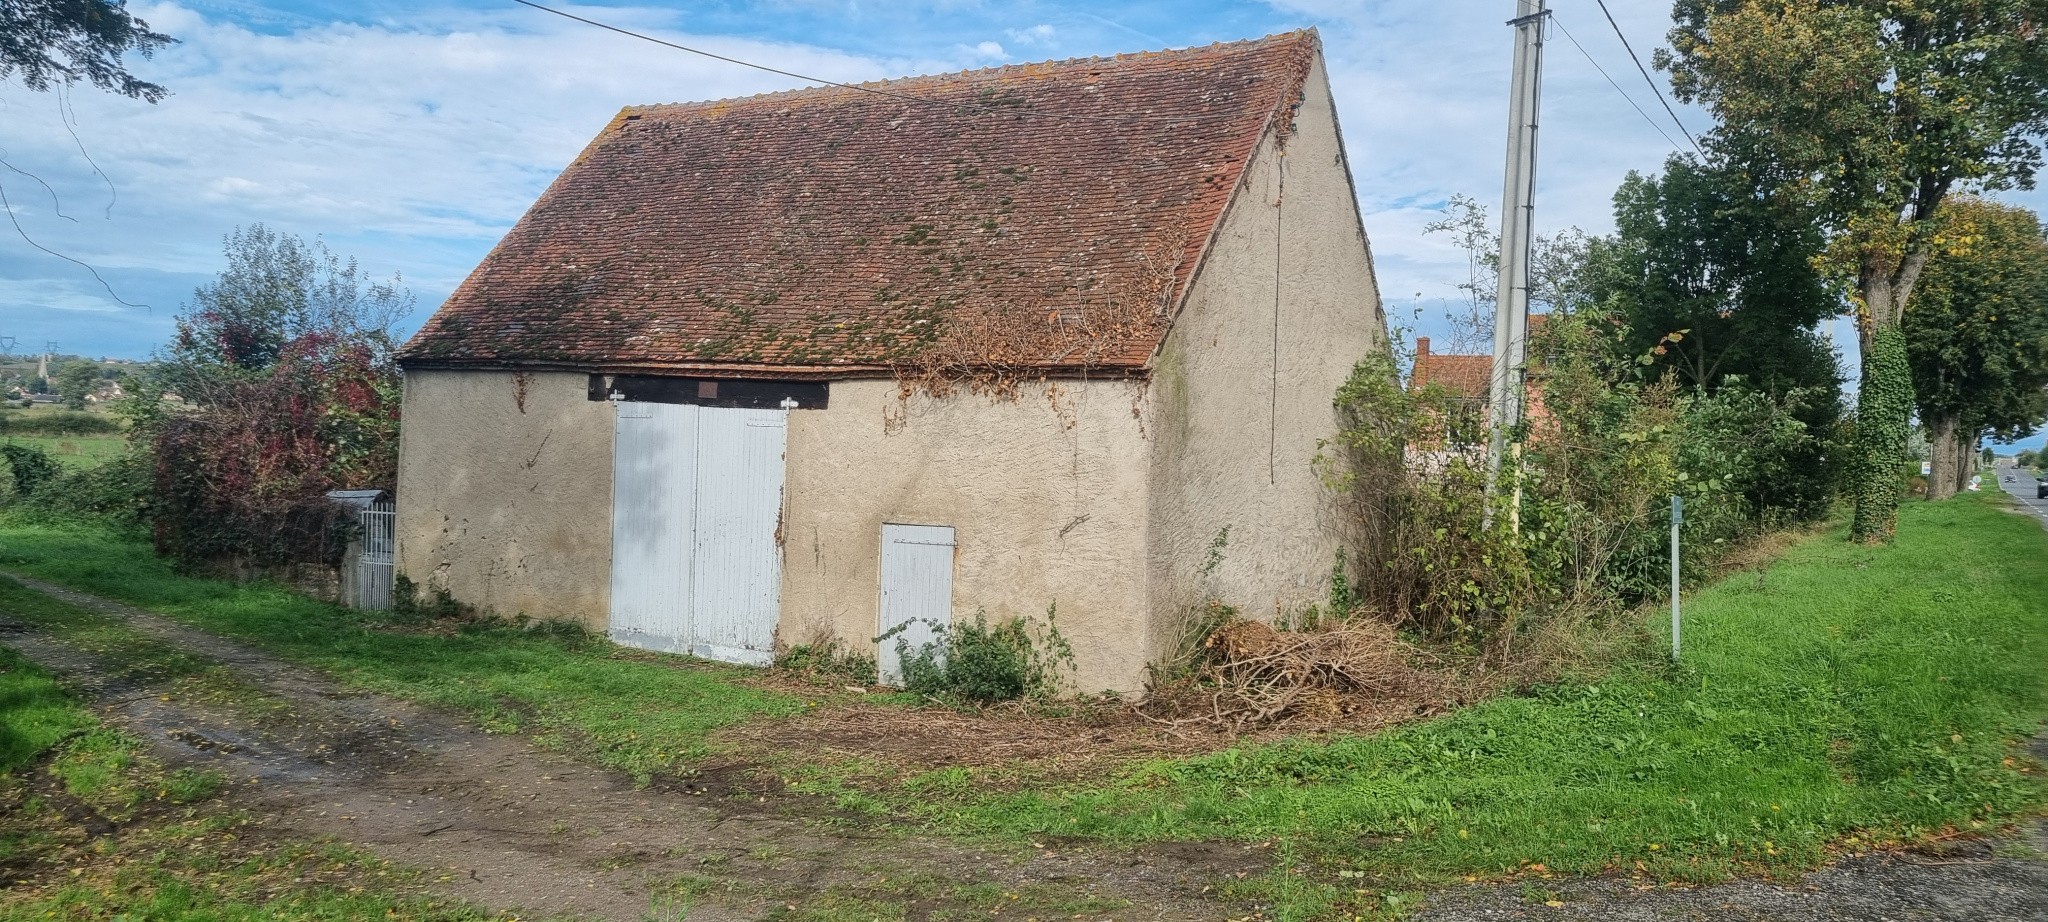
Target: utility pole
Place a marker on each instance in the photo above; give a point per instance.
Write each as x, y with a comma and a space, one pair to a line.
1517, 215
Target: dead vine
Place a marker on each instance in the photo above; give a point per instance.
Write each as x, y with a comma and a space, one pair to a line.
992, 349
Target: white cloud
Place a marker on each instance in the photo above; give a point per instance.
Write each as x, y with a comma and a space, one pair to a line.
990, 50
1041, 34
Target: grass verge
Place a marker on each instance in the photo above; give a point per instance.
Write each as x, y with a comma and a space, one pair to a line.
1844, 697
642, 713
92, 828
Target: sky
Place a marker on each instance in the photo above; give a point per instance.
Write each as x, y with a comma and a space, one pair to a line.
411, 135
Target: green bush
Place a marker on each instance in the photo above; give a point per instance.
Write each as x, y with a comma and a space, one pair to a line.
30, 467
58, 423
829, 661
116, 492
982, 663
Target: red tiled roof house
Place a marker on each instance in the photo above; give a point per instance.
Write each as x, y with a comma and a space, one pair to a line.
812, 364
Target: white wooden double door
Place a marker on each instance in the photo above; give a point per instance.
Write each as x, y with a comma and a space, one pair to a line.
696, 510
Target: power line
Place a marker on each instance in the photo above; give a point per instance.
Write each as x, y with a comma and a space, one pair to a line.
844, 86
1610, 82
1654, 88
8, 207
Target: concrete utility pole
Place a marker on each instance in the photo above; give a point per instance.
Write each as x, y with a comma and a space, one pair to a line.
1517, 215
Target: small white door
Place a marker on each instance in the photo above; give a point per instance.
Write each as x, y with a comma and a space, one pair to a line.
738, 555
654, 475
917, 590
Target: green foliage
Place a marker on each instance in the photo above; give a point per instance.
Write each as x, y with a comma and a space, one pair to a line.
1884, 409
13, 424
829, 660
982, 663
30, 467
1580, 523
288, 354
46, 43
76, 381
1703, 252
1870, 112
1977, 336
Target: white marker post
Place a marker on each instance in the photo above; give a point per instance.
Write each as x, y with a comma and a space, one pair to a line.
1677, 516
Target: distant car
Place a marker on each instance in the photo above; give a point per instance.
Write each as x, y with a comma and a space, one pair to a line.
2041, 489
2008, 478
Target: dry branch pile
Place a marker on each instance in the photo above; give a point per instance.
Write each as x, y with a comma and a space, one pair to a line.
1252, 675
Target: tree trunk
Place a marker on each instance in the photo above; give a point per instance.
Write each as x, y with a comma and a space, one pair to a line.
1884, 410
1966, 457
1943, 434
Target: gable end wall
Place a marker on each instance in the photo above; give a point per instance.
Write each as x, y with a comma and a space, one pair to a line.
1243, 385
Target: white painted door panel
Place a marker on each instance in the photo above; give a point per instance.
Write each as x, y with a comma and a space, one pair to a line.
917, 590
738, 555
653, 508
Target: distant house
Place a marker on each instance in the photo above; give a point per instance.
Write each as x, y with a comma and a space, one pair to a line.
816, 364
1464, 381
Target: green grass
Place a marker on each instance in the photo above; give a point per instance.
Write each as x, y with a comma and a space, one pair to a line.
34, 712
1846, 695
642, 713
172, 854
75, 451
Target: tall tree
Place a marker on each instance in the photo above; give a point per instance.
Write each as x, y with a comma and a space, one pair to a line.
1702, 250
49, 43
76, 382
1977, 336
1872, 111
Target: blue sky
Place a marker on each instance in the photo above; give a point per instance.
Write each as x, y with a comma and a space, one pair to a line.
411, 135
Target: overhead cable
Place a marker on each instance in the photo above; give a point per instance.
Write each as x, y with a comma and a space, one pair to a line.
1610, 82
906, 97
1654, 88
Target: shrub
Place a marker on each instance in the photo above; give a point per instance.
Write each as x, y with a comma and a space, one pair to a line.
59, 423
830, 661
982, 663
30, 467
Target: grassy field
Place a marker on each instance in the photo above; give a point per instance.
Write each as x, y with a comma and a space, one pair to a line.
169, 850
1844, 698
642, 713
74, 451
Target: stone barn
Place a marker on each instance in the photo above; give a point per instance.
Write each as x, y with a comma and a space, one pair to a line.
809, 365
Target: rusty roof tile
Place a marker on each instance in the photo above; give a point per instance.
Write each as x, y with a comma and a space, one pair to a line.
829, 228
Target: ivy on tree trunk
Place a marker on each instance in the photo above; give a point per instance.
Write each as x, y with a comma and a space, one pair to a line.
1884, 410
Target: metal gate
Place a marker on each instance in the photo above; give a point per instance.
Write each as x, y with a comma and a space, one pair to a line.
696, 501
374, 565
917, 591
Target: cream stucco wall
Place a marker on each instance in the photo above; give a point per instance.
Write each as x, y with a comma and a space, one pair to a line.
1284, 305
1046, 493
508, 507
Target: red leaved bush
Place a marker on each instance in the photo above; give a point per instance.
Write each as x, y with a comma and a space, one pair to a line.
245, 475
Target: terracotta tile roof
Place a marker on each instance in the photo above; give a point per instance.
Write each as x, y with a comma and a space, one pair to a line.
826, 230
1461, 375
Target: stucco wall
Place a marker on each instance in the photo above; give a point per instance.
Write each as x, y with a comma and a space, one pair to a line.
1046, 493
508, 507
1284, 305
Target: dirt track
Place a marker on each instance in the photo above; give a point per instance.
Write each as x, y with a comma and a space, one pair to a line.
502, 824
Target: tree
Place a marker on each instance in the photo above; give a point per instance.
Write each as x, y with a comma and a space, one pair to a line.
45, 43
1872, 112
289, 354
76, 381
276, 289
1702, 251
1556, 270
1977, 336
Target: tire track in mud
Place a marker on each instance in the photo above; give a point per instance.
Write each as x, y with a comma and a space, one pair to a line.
495, 821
